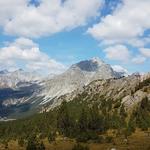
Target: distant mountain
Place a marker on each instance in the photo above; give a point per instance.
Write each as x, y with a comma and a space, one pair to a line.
24, 93
11, 79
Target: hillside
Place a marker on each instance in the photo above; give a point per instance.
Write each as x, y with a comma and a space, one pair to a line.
91, 115
128, 90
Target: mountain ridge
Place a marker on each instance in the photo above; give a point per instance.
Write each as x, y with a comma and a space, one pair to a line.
48, 92
77, 76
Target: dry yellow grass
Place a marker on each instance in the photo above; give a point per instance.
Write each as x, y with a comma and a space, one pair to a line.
138, 141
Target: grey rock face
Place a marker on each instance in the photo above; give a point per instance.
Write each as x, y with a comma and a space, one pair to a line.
126, 90
11, 79
24, 88
77, 76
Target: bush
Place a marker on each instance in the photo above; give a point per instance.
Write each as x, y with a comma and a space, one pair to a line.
93, 136
144, 103
51, 137
82, 137
109, 139
32, 143
100, 139
86, 136
6, 145
21, 142
80, 147
41, 146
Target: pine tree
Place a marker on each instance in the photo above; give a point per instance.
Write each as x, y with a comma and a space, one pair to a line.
64, 121
123, 115
51, 137
41, 146
83, 121
32, 143
95, 120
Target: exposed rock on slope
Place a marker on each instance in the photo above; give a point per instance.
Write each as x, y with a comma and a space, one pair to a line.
23, 88
127, 90
11, 79
77, 76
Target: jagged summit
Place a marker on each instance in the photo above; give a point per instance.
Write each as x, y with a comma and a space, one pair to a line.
97, 60
77, 76
11, 79
89, 65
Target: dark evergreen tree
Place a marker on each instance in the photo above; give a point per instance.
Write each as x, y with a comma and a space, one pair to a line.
64, 121
95, 119
41, 146
80, 147
51, 137
83, 120
123, 116
32, 143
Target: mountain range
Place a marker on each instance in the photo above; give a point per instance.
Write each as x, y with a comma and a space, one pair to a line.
11, 79
24, 93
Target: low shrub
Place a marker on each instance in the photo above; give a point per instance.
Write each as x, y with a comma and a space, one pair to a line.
80, 147
109, 139
86, 136
51, 137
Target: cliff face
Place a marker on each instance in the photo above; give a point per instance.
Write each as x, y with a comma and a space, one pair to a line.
76, 77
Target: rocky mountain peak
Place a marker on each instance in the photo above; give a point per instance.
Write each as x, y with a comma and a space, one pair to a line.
11, 79
91, 65
98, 61
76, 77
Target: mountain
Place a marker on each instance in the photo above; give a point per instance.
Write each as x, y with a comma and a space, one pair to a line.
127, 90
76, 77
114, 113
23, 93
15, 89
11, 79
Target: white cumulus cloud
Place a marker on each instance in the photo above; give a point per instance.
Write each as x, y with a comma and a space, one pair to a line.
117, 52
139, 59
125, 26
145, 52
17, 17
25, 53
126, 23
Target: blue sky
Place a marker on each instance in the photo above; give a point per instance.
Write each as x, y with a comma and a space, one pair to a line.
49, 35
